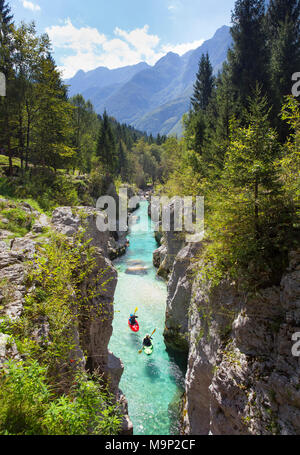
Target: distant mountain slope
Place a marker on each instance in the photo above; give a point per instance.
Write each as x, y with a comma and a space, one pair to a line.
102, 77
152, 99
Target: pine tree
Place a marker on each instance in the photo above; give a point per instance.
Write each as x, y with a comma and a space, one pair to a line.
251, 157
196, 123
283, 20
5, 15
85, 126
106, 146
53, 123
203, 86
219, 113
123, 162
248, 59
281, 10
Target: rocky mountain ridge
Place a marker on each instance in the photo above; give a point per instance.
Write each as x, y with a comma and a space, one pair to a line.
152, 99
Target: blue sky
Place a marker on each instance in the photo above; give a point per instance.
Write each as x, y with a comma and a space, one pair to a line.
114, 33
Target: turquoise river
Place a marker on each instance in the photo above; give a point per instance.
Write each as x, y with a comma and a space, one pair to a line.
152, 384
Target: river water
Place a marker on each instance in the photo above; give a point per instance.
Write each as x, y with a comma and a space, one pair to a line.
153, 385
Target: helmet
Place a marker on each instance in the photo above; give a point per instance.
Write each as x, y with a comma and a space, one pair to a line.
131, 315
147, 336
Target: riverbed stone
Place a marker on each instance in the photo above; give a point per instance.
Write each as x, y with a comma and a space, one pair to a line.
137, 270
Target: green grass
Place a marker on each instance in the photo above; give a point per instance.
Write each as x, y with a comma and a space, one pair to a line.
19, 221
4, 161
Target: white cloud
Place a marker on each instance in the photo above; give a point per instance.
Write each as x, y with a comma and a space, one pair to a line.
182, 48
141, 41
32, 6
174, 6
84, 39
86, 48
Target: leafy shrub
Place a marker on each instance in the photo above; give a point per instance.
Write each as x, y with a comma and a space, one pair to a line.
28, 406
48, 189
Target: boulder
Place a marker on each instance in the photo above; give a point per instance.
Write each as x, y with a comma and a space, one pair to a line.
70, 220
137, 270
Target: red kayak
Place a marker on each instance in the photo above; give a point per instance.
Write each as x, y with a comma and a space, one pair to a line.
135, 327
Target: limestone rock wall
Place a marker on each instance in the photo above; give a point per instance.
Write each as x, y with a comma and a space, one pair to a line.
171, 241
179, 298
241, 375
92, 334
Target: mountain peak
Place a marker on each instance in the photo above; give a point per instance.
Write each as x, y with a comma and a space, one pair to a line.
79, 74
224, 30
169, 58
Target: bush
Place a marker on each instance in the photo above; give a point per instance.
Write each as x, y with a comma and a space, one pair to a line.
48, 189
28, 407
23, 398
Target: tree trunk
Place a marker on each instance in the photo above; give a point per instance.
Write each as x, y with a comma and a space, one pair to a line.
27, 137
256, 211
21, 141
9, 156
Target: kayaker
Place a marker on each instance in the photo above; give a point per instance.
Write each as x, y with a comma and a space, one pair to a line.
147, 340
132, 319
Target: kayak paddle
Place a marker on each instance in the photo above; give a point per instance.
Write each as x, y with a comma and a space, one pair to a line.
150, 337
153, 333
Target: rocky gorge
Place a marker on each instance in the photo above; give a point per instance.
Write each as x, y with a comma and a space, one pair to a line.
241, 377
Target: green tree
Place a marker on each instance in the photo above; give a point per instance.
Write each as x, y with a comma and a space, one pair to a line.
204, 84
85, 125
106, 146
250, 160
290, 161
281, 10
249, 216
53, 125
123, 161
5, 13
195, 131
196, 122
248, 58
220, 111
29, 50
283, 19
